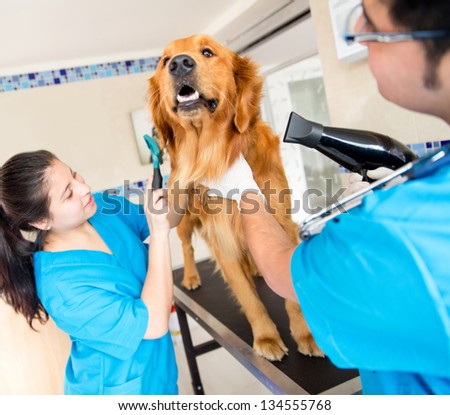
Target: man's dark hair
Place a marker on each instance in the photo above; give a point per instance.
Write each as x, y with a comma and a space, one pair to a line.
424, 15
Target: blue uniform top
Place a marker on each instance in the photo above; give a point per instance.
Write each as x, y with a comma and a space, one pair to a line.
375, 288
95, 298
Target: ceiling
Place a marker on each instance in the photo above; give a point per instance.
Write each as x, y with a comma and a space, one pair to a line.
52, 34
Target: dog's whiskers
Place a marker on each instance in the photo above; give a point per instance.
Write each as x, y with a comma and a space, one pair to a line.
224, 96
163, 96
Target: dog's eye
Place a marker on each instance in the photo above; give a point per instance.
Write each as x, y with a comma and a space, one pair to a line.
165, 61
207, 52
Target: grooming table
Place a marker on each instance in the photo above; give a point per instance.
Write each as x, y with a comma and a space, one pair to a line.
215, 310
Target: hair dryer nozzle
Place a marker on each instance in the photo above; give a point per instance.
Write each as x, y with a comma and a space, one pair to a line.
302, 131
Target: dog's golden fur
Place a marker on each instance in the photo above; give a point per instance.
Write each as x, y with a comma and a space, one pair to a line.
204, 134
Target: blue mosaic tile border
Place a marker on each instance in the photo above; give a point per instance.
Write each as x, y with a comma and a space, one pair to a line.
422, 149
133, 188
77, 74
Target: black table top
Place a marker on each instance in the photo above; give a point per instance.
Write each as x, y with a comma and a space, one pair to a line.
313, 375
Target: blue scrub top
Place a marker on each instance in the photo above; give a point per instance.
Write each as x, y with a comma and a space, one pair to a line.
95, 298
375, 288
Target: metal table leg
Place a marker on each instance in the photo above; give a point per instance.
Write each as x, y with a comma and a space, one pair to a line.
193, 351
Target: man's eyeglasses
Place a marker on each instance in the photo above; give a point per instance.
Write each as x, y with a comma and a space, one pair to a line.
357, 29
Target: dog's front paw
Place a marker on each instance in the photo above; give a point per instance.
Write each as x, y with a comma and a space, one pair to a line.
271, 349
191, 282
308, 346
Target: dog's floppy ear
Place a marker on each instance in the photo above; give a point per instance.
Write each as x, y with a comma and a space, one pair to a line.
164, 129
249, 87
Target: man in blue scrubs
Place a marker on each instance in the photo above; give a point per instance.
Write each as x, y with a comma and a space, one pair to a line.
374, 286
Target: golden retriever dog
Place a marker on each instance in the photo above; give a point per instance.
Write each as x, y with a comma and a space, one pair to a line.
205, 104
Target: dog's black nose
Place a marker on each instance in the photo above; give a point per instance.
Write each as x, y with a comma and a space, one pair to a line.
181, 65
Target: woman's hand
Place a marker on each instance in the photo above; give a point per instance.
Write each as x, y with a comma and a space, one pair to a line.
156, 209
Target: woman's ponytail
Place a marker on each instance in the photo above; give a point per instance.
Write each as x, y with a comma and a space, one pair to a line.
23, 200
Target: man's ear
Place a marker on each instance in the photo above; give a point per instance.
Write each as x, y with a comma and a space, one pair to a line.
43, 225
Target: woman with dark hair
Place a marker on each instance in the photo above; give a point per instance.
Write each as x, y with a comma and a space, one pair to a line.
89, 269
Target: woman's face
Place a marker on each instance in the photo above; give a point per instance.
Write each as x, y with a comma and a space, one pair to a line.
71, 201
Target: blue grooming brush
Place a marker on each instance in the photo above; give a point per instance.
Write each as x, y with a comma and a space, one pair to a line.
157, 161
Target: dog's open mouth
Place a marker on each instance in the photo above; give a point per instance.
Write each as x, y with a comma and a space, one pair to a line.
188, 99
